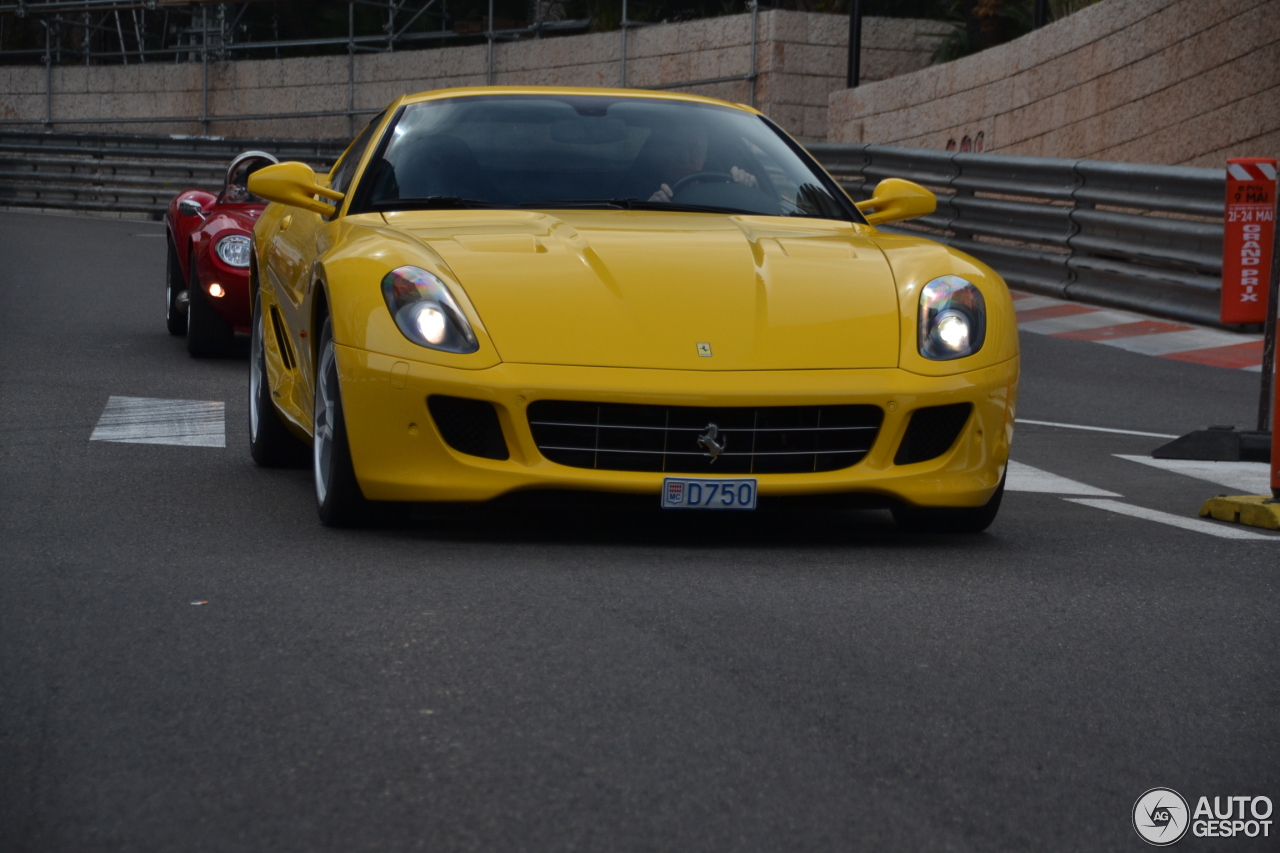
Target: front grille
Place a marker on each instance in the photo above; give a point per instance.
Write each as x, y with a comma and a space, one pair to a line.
762, 440
931, 432
469, 426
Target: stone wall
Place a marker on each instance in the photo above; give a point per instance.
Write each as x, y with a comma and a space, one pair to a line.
1188, 82
800, 60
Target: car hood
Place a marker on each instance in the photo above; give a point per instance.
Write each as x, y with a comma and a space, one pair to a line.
689, 291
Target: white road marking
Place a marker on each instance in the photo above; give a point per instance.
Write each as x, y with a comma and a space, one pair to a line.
1079, 322
1095, 428
1221, 529
1024, 478
1163, 343
1251, 478
149, 420
1035, 302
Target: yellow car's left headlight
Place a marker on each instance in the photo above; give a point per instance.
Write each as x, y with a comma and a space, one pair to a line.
952, 320
425, 311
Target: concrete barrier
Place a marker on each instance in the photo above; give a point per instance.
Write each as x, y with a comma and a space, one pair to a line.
800, 60
1173, 82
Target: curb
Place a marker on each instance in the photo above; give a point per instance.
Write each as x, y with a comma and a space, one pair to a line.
1253, 510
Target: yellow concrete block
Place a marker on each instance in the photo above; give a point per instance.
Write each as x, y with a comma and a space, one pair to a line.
1253, 510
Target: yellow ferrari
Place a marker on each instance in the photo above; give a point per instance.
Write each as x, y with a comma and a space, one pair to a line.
501, 289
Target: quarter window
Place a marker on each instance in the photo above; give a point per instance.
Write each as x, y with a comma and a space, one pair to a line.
345, 169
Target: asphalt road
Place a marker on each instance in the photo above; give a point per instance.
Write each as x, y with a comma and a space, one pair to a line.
599, 676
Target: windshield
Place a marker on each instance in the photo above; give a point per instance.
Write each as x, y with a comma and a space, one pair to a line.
236, 190
536, 151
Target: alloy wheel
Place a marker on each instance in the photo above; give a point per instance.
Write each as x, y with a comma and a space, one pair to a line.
325, 415
257, 368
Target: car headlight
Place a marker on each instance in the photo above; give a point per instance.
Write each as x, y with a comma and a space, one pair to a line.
425, 312
233, 250
953, 319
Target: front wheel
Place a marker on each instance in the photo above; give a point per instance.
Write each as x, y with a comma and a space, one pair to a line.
175, 294
973, 519
270, 442
338, 496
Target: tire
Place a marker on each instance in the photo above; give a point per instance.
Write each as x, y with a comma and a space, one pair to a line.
950, 519
338, 497
175, 288
270, 443
208, 335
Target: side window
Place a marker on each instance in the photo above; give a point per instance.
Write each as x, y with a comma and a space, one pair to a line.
346, 168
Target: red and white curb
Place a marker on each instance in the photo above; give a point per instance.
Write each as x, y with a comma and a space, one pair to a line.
1043, 315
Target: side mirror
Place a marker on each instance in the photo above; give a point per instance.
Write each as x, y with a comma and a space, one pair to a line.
895, 199
295, 185
190, 207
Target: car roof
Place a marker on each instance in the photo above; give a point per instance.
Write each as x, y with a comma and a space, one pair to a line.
465, 91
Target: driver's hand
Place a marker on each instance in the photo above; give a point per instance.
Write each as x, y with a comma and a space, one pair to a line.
741, 176
664, 194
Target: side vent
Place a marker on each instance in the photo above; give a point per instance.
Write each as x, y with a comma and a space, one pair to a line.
469, 426
286, 351
931, 432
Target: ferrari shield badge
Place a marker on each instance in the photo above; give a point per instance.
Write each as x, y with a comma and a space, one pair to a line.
704, 350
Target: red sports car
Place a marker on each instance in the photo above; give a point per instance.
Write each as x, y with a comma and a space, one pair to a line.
207, 292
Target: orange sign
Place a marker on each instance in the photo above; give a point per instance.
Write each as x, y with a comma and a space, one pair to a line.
1246, 244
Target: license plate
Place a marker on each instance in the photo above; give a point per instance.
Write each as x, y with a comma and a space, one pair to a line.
687, 493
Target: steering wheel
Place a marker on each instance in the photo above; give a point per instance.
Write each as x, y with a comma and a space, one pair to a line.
710, 177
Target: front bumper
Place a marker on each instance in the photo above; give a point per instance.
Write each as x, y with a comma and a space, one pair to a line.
399, 455
233, 306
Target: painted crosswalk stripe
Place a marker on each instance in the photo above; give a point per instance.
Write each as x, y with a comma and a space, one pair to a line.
150, 420
1249, 478
1024, 478
1195, 525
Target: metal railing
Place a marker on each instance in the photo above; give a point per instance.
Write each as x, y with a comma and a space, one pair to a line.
1127, 235
1147, 238
92, 172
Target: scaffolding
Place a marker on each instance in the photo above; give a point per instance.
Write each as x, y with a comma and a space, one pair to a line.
122, 32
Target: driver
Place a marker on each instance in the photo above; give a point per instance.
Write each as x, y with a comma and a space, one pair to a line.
237, 187
238, 193
683, 152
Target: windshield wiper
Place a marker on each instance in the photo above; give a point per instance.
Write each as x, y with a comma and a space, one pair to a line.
435, 202
636, 204
574, 203
631, 204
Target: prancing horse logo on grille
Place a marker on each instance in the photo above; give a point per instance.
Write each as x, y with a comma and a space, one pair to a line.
707, 441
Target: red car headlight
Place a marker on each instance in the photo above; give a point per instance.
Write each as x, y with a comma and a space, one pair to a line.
233, 250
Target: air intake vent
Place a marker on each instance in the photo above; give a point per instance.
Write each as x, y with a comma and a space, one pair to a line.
931, 432
469, 426
286, 351
695, 440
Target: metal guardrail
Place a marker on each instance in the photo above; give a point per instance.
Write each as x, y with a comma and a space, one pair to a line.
1142, 237
1147, 238
128, 174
